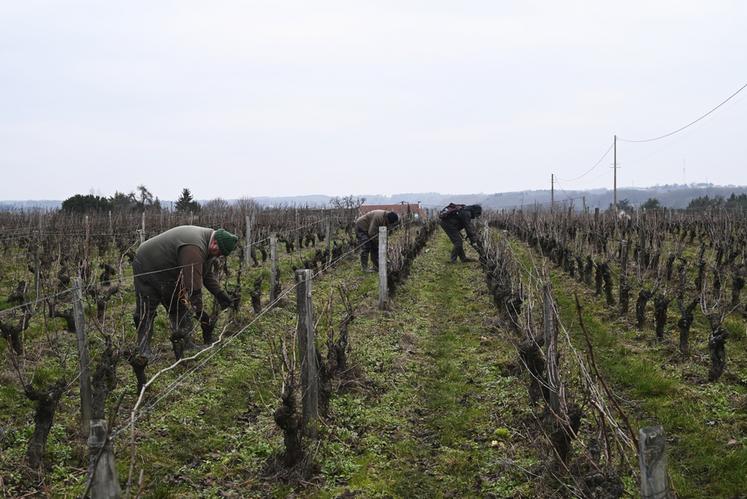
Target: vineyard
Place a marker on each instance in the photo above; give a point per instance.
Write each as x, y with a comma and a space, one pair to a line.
545, 369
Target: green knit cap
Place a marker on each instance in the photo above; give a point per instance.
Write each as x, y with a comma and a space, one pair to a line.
226, 241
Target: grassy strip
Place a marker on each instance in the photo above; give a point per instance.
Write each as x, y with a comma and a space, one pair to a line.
437, 418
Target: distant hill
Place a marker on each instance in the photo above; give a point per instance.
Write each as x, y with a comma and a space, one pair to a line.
671, 196
43, 204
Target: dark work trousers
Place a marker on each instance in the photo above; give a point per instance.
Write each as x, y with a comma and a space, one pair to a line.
369, 245
151, 291
456, 239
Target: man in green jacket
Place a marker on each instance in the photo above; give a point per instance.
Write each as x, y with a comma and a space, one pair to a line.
367, 230
170, 269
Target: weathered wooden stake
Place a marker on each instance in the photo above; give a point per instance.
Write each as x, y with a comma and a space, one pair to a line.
624, 286
274, 267
142, 229
551, 349
102, 470
653, 461
85, 379
87, 247
383, 287
328, 237
37, 264
298, 237
247, 241
307, 348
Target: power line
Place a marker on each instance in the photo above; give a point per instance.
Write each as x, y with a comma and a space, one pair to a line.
689, 124
589, 170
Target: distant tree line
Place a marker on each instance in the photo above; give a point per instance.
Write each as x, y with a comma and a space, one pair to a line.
137, 201
732, 203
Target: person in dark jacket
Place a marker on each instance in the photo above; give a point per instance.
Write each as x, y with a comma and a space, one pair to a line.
170, 269
367, 230
454, 223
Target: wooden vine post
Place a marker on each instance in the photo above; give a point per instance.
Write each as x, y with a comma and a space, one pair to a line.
247, 241
624, 286
37, 264
307, 349
383, 287
551, 350
85, 379
299, 236
102, 469
328, 237
653, 462
87, 243
142, 229
273, 268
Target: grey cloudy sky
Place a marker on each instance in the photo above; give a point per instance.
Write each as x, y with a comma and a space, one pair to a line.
278, 97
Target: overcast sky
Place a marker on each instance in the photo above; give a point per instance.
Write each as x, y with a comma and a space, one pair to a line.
276, 97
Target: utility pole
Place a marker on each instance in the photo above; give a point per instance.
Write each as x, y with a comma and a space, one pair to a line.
552, 191
614, 166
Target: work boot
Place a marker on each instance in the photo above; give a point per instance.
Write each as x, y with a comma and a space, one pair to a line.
364, 262
208, 326
138, 363
182, 344
454, 254
460, 253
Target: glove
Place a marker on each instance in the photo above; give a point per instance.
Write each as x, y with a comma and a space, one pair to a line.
224, 300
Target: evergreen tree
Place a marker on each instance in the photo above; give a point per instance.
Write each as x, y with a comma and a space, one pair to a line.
186, 202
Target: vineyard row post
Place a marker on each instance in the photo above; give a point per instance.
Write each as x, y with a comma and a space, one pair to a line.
142, 229
102, 469
274, 267
653, 462
85, 379
307, 348
383, 288
299, 236
247, 240
87, 244
37, 263
624, 286
550, 333
328, 237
